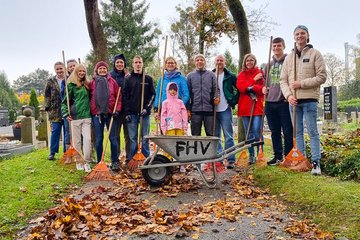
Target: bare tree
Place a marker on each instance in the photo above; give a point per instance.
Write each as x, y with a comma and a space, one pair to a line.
95, 30
334, 69
241, 22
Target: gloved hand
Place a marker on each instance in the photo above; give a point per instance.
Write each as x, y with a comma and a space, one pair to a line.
116, 115
251, 93
143, 112
128, 118
47, 109
216, 101
250, 89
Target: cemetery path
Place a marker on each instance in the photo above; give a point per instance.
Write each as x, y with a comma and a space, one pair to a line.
127, 208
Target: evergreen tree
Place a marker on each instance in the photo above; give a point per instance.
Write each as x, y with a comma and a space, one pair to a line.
7, 95
126, 30
34, 102
230, 62
36, 80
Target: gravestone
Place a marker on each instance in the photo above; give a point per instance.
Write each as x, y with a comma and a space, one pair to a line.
353, 117
28, 131
43, 126
342, 117
330, 104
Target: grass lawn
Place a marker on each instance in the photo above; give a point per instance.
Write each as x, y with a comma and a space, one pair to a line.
29, 185
329, 202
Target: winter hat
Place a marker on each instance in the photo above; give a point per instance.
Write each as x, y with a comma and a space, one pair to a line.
199, 55
303, 27
120, 56
101, 64
173, 86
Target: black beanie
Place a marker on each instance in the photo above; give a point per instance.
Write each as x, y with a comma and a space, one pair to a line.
120, 56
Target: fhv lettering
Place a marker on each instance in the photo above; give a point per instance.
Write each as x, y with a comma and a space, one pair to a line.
185, 146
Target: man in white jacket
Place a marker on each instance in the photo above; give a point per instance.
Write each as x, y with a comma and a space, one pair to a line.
303, 91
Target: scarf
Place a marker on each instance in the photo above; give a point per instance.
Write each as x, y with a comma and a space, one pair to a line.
102, 94
169, 75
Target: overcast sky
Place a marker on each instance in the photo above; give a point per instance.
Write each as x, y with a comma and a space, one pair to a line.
33, 33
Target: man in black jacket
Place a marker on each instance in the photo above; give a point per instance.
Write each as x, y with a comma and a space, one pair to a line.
132, 89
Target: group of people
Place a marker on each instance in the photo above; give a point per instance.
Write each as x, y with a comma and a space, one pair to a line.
128, 97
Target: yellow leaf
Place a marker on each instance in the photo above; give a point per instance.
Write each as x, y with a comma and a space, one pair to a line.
195, 236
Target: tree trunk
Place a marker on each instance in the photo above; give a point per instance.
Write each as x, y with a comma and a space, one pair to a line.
95, 30
238, 13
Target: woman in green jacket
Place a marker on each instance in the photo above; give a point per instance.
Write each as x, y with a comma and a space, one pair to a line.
79, 114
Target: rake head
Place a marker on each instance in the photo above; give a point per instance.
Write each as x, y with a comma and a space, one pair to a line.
136, 161
99, 173
71, 156
296, 161
242, 158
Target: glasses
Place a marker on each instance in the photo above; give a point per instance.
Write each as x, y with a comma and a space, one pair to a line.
170, 63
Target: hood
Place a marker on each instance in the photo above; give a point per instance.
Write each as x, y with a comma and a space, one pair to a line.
119, 56
173, 74
168, 96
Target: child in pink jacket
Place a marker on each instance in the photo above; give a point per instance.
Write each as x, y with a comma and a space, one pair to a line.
174, 119
173, 113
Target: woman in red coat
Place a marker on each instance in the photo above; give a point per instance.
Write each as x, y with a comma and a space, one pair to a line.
250, 82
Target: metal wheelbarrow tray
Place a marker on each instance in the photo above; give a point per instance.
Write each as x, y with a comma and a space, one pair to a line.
157, 168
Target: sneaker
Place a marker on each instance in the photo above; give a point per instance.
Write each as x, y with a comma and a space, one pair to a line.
230, 165
274, 162
87, 168
80, 166
115, 167
220, 168
51, 156
316, 170
182, 169
252, 160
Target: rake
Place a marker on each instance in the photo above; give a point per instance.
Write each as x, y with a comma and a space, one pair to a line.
139, 157
261, 158
71, 155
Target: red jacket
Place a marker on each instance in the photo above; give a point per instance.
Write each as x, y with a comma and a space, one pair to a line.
245, 80
113, 88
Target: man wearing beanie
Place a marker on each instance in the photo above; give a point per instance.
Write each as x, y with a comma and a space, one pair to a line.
202, 87
103, 92
304, 91
118, 73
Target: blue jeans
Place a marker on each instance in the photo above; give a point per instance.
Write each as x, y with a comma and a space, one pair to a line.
66, 134
309, 112
224, 122
278, 117
133, 135
99, 123
254, 131
55, 137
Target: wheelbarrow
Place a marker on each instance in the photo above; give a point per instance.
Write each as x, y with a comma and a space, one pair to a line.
157, 169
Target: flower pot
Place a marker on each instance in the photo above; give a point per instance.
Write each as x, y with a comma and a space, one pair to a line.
17, 133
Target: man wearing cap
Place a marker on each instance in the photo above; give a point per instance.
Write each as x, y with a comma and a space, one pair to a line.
118, 73
304, 91
202, 87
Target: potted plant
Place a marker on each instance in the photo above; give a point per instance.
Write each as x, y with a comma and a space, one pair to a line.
17, 130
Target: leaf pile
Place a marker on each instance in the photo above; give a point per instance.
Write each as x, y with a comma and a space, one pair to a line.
307, 230
340, 155
113, 212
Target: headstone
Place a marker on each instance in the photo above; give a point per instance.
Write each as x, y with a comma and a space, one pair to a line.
342, 117
353, 117
4, 116
43, 126
330, 104
28, 131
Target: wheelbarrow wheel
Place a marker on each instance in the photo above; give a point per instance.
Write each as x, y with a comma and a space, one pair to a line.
158, 176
